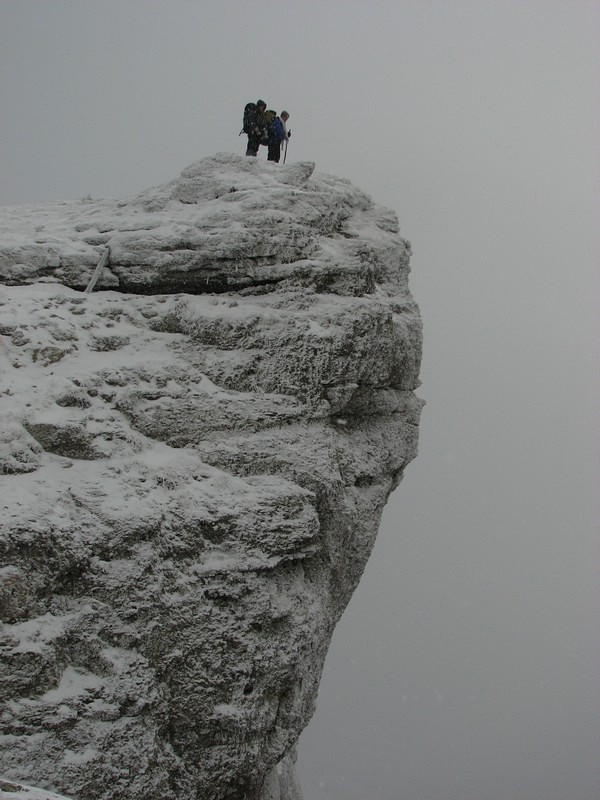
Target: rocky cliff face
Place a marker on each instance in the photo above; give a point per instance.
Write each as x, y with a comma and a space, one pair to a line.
194, 459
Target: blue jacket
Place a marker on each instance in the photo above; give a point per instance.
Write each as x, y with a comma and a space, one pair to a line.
276, 131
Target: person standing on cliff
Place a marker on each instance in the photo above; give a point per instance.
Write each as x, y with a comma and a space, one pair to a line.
257, 129
284, 116
277, 136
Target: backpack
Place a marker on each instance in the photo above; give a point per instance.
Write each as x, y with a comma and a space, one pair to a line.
250, 114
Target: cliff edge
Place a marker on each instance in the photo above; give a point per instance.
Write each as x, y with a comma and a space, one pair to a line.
194, 458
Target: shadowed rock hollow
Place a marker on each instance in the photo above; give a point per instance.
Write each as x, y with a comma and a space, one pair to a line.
194, 459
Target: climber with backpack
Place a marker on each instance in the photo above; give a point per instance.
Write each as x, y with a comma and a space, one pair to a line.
255, 126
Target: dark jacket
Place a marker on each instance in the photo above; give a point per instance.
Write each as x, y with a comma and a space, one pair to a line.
258, 128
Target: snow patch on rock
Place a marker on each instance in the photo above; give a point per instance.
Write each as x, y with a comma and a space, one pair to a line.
9, 790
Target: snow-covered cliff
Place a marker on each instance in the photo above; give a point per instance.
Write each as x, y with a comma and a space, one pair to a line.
194, 459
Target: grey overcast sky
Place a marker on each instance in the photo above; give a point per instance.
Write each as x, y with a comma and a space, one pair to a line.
467, 666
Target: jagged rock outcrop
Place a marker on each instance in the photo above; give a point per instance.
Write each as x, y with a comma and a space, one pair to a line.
194, 459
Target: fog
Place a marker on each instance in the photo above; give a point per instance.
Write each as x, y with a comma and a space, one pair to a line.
467, 664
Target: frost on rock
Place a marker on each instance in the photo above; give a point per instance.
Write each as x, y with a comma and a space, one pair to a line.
194, 459
9, 790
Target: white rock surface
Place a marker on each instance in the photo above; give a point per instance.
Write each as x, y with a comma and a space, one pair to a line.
194, 459
9, 790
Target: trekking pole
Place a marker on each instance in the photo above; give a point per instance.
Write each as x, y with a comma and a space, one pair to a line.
285, 151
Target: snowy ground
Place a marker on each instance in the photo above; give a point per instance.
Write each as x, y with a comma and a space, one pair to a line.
9, 790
